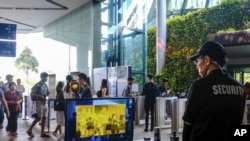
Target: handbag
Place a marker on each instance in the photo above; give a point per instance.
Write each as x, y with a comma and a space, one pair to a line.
59, 105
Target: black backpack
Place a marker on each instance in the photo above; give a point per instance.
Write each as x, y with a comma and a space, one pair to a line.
99, 93
33, 96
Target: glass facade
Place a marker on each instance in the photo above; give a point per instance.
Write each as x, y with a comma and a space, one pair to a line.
123, 34
123, 29
114, 31
179, 7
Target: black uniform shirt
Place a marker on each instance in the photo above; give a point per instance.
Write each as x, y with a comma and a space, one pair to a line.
150, 91
215, 103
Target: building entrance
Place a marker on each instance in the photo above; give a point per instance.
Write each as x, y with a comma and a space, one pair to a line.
240, 73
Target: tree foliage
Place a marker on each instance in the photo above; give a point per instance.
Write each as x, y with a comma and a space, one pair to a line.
27, 62
187, 33
133, 51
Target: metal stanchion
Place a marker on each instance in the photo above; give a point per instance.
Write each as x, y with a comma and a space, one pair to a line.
140, 113
173, 137
157, 112
25, 108
48, 117
174, 127
157, 134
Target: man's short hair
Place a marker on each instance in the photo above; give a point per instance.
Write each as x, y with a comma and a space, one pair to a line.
247, 85
82, 76
130, 78
150, 76
44, 74
69, 77
8, 76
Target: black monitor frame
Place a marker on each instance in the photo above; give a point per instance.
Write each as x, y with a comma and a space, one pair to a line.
70, 122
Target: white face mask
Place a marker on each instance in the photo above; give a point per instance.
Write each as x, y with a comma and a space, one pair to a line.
13, 87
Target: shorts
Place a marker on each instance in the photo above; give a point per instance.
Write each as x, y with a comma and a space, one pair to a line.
60, 118
41, 109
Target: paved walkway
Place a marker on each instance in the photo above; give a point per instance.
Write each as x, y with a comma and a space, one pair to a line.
139, 134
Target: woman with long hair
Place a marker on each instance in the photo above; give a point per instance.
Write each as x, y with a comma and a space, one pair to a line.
104, 88
67, 90
59, 114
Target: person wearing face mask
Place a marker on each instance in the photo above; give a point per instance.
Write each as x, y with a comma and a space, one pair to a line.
13, 98
216, 101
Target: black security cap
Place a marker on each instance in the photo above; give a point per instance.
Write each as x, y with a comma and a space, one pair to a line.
165, 80
82, 76
212, 49
44, 74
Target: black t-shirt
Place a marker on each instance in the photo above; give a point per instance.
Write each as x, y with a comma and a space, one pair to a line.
86, 92
162, 88
215, 103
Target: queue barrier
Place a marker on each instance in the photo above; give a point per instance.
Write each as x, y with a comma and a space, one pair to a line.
140, 112
168, 112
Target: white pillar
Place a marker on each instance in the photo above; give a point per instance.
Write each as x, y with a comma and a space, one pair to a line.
161, 32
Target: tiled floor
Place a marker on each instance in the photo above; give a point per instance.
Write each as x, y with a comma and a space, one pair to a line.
139, 134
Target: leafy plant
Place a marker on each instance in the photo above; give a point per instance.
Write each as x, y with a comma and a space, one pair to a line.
187, 33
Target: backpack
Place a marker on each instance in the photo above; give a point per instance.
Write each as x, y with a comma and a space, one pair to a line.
33, 96
99, 93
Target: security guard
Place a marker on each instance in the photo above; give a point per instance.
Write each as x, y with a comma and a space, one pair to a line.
215, 102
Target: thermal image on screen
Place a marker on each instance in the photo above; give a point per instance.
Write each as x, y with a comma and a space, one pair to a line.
109, 119
95, 120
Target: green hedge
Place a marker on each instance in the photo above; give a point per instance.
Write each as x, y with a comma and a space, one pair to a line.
187, 33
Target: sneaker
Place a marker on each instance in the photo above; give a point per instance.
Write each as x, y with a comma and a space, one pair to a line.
55, 134
30, 133
13, 134
61, 136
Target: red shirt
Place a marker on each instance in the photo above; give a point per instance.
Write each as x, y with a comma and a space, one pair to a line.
16, 96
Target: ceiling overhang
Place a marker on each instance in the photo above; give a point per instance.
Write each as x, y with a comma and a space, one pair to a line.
31, 15
237, 43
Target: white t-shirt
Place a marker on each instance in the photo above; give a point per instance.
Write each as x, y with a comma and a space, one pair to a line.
20, 88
